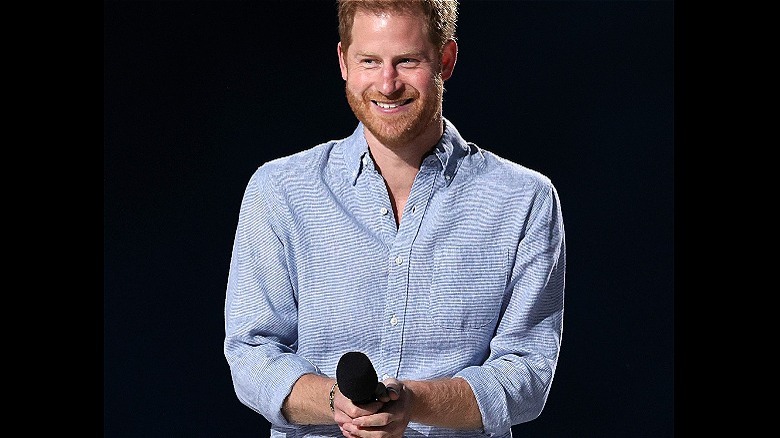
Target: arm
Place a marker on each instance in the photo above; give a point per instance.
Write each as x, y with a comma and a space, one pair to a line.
260, 307
512, 386
309, 401
261, 320
446, 403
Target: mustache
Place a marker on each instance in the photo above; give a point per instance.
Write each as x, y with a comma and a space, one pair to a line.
399, 95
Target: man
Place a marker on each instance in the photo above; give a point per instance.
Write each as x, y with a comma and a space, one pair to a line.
439, 260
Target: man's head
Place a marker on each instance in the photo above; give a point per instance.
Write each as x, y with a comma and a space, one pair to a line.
395, 57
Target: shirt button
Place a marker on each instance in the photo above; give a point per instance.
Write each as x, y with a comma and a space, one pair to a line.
399, 260
383, 210
394, 320
385, 376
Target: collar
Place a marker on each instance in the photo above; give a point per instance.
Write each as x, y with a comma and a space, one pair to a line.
447, 155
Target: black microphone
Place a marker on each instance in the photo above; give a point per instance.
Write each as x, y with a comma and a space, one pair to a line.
357, 378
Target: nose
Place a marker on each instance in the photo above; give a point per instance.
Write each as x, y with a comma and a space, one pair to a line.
390, 83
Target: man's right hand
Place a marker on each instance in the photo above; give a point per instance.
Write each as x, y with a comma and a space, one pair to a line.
387, 417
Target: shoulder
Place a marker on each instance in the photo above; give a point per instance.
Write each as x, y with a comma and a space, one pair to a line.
298, 168
303, 161
514, 174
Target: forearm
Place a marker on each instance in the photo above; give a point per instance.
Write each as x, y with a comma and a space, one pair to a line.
309, 401
448, 403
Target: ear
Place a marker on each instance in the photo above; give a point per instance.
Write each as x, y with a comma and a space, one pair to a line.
448, 57
342, 62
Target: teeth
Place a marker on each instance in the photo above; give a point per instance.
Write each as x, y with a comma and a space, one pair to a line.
387, 105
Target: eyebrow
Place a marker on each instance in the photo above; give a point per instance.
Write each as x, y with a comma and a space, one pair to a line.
410, 54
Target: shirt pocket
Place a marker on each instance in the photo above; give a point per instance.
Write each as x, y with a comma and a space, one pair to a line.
467, 286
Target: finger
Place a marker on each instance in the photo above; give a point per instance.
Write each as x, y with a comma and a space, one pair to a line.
350, 431
381, 419
392, 385
346, 434
393, 390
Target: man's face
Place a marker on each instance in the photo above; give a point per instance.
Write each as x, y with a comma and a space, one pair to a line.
393, 76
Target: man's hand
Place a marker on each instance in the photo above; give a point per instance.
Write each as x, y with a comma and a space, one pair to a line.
389, 419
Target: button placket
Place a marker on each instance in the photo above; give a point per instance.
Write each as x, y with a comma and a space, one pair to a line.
399, 257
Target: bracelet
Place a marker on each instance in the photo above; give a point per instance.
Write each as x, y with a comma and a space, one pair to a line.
332, 394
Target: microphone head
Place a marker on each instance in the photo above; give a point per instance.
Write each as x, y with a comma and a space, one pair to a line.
357, 378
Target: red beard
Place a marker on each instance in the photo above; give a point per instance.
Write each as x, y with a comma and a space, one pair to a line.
398, 129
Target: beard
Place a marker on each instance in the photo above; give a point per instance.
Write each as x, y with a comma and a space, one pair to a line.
396, 130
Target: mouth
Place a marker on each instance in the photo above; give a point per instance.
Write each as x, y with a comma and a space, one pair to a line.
391, 105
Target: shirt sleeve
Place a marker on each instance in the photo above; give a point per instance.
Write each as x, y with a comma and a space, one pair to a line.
512, 386
260, 307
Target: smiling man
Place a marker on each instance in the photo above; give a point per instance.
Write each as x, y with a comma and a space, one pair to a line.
395, 79
440, 261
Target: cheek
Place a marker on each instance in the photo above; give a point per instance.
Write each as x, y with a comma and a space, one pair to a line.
358, 82
422, 81
354, 90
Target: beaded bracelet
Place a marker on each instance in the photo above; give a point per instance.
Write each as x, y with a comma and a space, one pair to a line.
332, 394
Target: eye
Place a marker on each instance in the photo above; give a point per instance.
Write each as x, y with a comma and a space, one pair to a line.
408, 62
368, 62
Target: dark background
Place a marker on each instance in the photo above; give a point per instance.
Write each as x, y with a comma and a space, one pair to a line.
198, 94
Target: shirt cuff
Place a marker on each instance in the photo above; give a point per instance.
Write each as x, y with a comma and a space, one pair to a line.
281, 375
490, 400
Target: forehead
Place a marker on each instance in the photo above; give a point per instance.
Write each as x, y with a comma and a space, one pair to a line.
389, 30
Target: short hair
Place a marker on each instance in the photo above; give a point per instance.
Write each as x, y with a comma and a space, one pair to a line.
441, 16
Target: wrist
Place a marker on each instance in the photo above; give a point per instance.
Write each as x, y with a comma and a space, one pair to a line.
411, 393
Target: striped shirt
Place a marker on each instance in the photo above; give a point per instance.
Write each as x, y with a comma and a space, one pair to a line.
469, 285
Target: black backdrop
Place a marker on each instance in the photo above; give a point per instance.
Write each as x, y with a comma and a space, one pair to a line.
198, 94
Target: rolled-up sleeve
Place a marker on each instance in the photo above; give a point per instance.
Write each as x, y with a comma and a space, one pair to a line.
260, 307
512, 386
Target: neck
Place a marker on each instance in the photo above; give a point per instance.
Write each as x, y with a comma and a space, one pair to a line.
404, 156
399, 163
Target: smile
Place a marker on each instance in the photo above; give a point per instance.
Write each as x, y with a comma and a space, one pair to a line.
391, 105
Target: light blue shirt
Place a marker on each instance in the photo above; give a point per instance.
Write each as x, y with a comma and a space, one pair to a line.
470, 285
